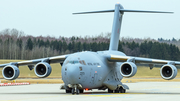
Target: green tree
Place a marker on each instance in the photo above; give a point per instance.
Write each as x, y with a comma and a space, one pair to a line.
79, 46
41, 43
19, 43
47, 43
70, 46
84, 46
120, 47
64, 46
29, 44
100, 46
94, 46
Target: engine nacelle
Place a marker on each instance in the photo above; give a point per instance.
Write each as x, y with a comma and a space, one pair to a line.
10, 72
42, 69
168, 72
128, 69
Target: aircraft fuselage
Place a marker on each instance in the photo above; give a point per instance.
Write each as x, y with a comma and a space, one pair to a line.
90, 69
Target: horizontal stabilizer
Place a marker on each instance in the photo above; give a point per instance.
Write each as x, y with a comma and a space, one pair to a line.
142, 11
104, 11
122, 10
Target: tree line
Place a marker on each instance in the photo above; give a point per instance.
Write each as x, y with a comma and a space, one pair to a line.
15, 44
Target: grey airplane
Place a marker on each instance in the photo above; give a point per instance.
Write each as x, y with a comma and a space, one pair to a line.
95, 70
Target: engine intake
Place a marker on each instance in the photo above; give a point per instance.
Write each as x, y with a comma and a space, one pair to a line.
10, 72
42, 69
168, 72
128, 69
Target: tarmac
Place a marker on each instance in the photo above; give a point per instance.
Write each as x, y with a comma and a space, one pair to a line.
140, 91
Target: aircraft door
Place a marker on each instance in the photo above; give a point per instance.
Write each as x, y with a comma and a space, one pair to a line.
82, 74
94, 76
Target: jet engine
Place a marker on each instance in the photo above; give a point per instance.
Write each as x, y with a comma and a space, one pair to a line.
10, 72
168, 72
42, 69
128, 69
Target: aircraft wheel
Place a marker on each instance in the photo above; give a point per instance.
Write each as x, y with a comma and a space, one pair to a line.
122, 90
81, 91
73, 91
77, 91
116, 91
110, 91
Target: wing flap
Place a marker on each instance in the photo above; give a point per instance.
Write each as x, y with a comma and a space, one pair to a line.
118, 58
55, 59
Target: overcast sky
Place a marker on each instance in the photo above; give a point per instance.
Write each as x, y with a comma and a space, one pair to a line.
54, 18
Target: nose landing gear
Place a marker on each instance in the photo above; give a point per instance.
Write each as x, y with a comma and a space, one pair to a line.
75, 89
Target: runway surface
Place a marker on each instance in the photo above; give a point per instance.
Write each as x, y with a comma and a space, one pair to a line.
142, 91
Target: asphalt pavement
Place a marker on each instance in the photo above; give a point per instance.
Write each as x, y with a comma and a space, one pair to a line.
141, 91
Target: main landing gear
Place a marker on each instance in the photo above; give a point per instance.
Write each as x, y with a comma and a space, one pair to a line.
74, 90
118, 90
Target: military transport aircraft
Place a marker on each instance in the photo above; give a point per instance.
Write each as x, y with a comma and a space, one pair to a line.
95, 70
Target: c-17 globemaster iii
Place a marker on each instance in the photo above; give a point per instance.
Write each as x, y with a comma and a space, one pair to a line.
95, 70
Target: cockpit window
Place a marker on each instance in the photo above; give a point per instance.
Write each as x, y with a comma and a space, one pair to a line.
75, 62
83, 62
67, 62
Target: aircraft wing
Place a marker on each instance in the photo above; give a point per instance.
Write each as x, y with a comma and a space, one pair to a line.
55, 59
118, 58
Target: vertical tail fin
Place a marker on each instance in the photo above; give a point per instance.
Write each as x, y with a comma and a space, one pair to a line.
116, 28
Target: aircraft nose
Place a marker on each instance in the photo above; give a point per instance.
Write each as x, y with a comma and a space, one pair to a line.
72, 74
